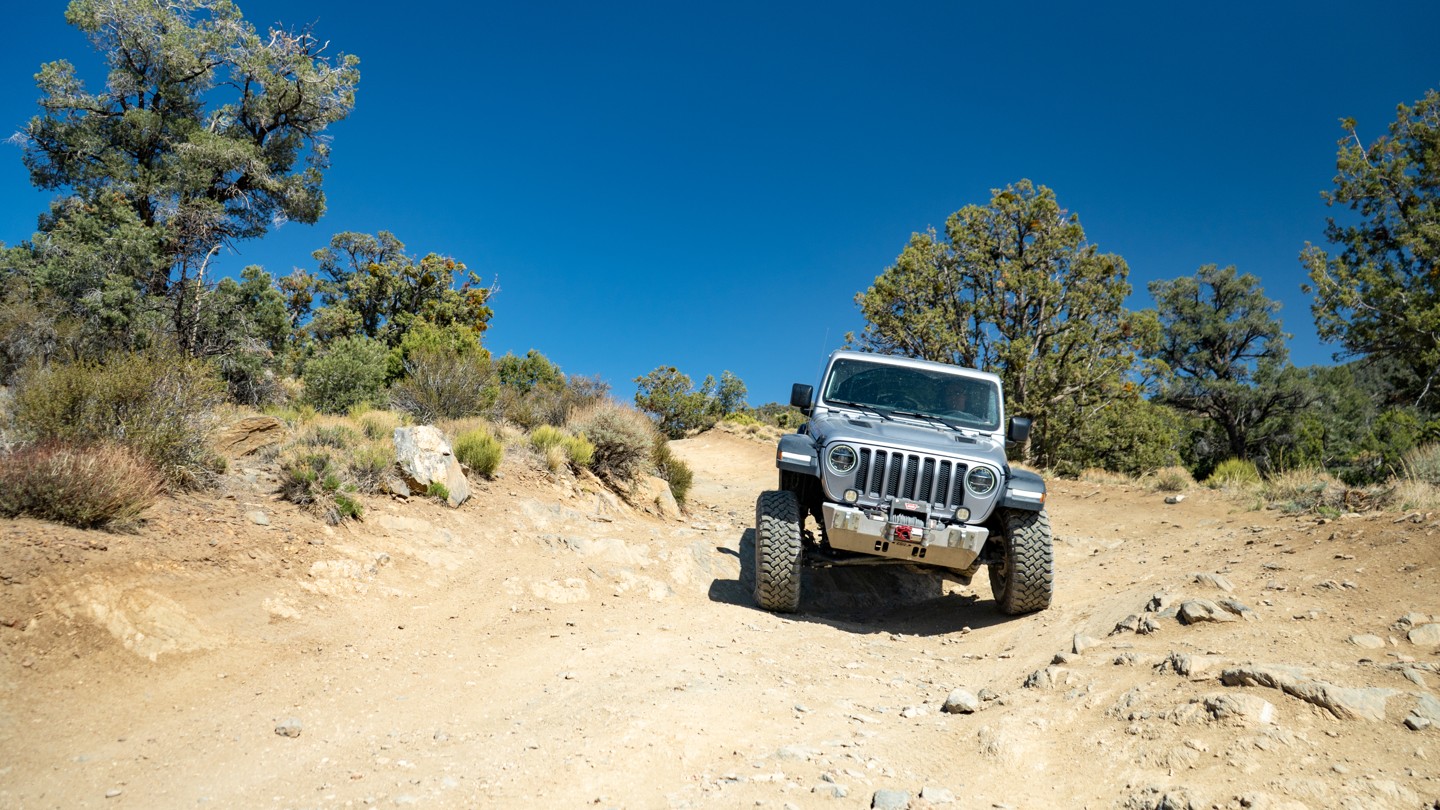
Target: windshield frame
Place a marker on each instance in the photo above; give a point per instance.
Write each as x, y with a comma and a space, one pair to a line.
913, 391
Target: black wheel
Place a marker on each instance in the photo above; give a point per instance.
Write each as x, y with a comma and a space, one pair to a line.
778, 547
1024, 581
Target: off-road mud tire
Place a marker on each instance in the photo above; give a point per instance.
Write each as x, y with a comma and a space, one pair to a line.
1025, 580
778, 548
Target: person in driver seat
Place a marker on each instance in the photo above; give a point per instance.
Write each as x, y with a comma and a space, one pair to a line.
955, 399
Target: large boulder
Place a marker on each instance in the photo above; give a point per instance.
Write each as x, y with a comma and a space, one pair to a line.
249, 435
425, 458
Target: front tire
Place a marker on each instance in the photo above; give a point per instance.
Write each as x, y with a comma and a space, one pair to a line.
778, 548
1025, 579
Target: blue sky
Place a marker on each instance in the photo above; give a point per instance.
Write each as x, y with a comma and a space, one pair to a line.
709, 185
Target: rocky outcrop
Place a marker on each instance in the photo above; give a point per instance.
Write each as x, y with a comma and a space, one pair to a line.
249, 435
425, 458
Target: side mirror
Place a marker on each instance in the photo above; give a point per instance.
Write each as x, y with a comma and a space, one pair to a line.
1019, 429
801, 396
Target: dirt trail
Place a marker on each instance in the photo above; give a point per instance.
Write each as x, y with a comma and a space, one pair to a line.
543, 647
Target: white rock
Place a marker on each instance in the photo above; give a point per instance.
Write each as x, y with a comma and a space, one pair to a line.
426, 458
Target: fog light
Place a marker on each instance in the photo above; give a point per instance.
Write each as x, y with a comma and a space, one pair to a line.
851, 496
962, 514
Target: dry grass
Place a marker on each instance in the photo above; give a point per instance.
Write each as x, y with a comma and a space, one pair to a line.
1095, 475
1169, 479
1407, 495
95, 486
1305, 490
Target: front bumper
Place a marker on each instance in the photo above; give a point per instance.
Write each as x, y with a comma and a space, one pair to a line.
850, 529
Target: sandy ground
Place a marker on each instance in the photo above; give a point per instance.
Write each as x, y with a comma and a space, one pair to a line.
542, 647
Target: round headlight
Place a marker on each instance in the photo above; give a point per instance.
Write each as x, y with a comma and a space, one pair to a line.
842, 458
981, 481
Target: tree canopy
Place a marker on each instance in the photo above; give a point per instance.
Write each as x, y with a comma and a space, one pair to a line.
1378, 292
1014, 287
204, 133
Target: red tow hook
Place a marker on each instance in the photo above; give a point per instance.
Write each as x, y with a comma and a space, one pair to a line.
902, 534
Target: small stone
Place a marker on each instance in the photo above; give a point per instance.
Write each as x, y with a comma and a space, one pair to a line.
1148, 625
910, 712
961, 701
1213, 581
937, 795
1367, 642
988, 695
289, 727
1081, 642
258, 517
831, 791
1159, 602
1174, 499
1410, 620
113, 792
1235, 606
1415, 722
890, 800
1063, 658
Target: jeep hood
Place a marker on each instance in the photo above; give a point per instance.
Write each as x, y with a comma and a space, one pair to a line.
932, 437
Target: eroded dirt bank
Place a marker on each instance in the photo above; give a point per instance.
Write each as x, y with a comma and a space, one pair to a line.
542, 647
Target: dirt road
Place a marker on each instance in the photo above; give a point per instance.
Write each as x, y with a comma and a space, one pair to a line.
543, 647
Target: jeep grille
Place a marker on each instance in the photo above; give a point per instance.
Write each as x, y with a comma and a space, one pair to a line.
883, 474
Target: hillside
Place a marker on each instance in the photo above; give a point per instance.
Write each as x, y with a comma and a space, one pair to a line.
547, 646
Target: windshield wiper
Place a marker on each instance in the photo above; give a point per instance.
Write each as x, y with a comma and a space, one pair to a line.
883, 414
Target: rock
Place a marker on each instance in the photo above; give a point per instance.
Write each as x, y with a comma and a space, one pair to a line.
911, 712
1050, 678
1238, 608
1147, 625
1195, 611
113, 792
258, 517
1157, 798
988, 695
1159, 602
1188, 665
1238, 707
890, 800
1214, 581
1174, 499
1367, 642
1415, 722
1081, 642
289, 727
831, 790
1343, 702
961, 701
1129, 624
937, 795
652, 494
395, 485
1427, 708
249, 435
1425, 635
425, 458
1063, 658
1410, 620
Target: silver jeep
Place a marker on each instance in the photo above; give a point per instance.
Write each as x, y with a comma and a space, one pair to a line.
903, 462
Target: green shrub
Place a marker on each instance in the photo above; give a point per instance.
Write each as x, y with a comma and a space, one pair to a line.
548, 401
377, 425
160, 405
545, 437
96, 486
624, 440
1422, 464
1233, 472
438, 491
349, 372
479, 450
313, 480
675, 472
339, 437
580, 450
368, 465
443, 383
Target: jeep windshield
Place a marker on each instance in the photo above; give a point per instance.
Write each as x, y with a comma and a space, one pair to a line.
914, 392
